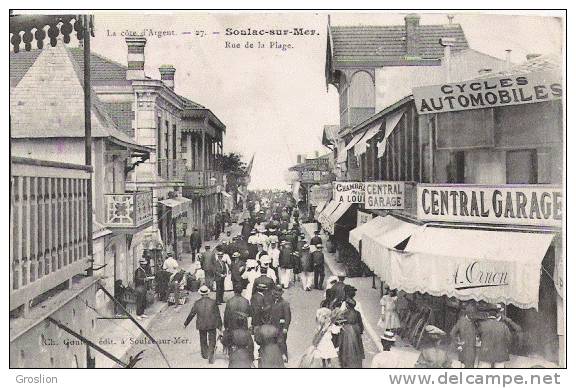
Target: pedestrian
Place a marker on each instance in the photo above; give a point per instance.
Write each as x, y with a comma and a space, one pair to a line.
239, 343
306, 268
140, 277
170, 264
207, 264
234, 305
268, 337
195, 242
433, 354
207, 323
323, 340
329, 300
236, 269
261, 252
220, 272
339, 289
274, 254
265, 278
464, 334
350, 347
249, 275
265, 262
260, 301
285, 262
318, 261
316, 239
495, 339
389, 319
392, 357
281, 317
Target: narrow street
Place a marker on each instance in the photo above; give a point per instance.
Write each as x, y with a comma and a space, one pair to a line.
182, 346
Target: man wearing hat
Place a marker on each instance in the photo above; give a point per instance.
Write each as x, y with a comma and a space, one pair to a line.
195, 242
261, 252
207, 322
236, 269
281, 317
170, 264
266, 275
306, 268
236, 304
249, 275
433, 354
239, 342
220, 272
496, 339
140, 277
285, 262
274, 254
315, 240
207, 265
391, 356
318, 261
464, 334
261, 300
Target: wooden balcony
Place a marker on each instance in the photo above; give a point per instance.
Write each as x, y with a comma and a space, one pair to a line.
203, 182
128, 211
49, 219
172, 169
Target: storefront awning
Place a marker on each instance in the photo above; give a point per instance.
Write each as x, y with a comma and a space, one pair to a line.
371, 226
319, 209
380, 241
362, 145
494, 266
328, 209
390, 124
333, 218
177, 205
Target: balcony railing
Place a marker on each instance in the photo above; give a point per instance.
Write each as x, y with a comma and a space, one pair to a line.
204, 179
172, 169
48, 226
128, 210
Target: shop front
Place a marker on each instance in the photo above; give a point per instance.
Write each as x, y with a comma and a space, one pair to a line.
173, 222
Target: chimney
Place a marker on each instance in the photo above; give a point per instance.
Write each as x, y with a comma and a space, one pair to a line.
298, 159
447, 43
508, 59
412, 22
450, 18
167, 75
530, 57
136, 46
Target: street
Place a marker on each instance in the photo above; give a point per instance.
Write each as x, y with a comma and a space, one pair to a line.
182, 346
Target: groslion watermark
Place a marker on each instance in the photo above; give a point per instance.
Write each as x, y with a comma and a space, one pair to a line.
37, 379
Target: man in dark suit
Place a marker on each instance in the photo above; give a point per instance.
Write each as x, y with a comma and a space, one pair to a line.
195, 242
318, 261
261, 301
338, 289
236, 304
207, 322
281, 316
207, 264
316, 239
464, 333
220, 272
495, 339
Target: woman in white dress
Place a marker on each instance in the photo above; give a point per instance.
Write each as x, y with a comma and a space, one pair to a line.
389, 319
326, 327
250, 275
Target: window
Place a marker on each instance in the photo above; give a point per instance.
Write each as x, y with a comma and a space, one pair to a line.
522, 167
456, 168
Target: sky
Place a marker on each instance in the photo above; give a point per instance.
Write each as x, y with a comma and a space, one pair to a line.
275, 102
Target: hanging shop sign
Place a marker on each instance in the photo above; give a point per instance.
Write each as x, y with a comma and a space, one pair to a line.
384, 195
348, 192
488, 93
319, 194
534, 205
362, 218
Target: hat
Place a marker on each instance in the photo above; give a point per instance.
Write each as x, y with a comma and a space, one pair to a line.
332, 279
388, 336
306, 246
207, 246
169, 254
434, 331
265, 259
204, 290
302, 236
236, 254
253, 231
251, 263
261, 286
319, 245
143, 261
220, 253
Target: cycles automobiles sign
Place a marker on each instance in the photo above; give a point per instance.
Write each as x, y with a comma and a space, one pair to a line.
488, 93
536, 205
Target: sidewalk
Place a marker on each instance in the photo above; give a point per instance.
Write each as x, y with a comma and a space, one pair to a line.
117, 336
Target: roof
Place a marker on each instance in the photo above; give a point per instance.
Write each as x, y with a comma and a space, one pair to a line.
381, 44
330, 134
48, 102
550, 62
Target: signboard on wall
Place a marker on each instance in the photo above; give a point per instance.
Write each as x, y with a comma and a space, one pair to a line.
319, 194
532, 205
488, 93
362, 218
348, 192
384, 195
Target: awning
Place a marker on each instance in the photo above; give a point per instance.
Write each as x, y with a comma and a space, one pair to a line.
328, 209
391, 123
378, 243
355, 140
371, 226
177, 205
342, 152
296, 190
335, 216
362, 145
319, 209
494, 266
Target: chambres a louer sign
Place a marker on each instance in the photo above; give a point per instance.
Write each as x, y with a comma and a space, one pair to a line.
506, 205
488, 93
